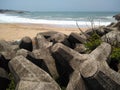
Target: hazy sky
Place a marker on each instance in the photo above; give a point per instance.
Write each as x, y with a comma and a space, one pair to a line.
61, 5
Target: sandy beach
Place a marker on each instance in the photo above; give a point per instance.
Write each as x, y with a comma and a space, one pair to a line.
12, 31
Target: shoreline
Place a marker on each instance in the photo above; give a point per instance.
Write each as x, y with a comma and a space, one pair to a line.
15, 31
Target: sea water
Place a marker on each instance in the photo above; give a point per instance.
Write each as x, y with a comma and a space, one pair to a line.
69, 19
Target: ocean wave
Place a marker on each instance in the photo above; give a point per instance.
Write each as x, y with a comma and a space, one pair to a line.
18, 19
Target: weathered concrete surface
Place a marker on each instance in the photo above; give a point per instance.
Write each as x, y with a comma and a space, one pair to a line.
96, 72
47, 58
26, 43
70, 59
99, 30
99, 76
6, 50
77, 38
67, 60
42, 42
22, 52
4, 79
62, 52
112, 38
74, 58
102, 52
30, 77
60, 38
4, 46
76, 82
80, 48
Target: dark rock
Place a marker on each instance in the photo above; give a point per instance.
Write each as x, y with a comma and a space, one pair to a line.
30, 77
76, 82
112, 38
117, 17
26, 43
80, 48
11, 11
4, 79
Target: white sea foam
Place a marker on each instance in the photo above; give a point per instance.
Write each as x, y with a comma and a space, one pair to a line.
17, 19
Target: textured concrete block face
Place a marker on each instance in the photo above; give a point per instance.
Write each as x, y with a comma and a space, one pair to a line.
102, 52
110, 77
98, 76
47, 58
61, 52
77, 38
59, 38
26, 85
102, 30
76, 82
4, 46
89, 68
26, 43
6, 50
28, 74
42, 42
67, 60
112, 38
80, 48
22, 52
96, 72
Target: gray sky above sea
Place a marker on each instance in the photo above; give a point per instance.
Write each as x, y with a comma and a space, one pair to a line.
61, 5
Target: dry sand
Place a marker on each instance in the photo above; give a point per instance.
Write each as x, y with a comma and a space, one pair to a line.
10, 32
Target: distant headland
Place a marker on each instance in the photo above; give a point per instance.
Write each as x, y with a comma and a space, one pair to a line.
11, 11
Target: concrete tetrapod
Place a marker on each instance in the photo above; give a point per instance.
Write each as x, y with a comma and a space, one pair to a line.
42, 42
76, 82
47, 58
30, 77
87, 64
